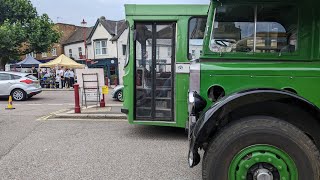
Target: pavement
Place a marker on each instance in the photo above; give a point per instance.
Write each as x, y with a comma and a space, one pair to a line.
111, 111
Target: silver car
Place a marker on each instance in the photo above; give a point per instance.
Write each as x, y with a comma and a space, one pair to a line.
19, 85
117, 93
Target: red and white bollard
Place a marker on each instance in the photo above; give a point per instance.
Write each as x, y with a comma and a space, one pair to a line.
77, 108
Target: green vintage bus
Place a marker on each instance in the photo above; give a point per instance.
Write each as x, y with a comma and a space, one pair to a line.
156, 79
253, 102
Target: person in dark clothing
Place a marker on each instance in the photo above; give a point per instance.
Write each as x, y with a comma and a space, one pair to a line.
34, 72
71, 76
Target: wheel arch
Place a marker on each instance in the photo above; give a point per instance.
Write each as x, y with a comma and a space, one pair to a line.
255, 102
15, 88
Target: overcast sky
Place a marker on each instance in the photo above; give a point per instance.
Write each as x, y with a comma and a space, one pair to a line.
73, 11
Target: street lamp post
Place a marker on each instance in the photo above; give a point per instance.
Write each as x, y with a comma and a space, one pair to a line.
84, 25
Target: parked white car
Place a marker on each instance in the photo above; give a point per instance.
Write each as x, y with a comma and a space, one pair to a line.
19, 85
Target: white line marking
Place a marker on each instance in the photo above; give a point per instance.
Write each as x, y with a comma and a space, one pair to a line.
94, 120
114, 105
55, 104
12, 104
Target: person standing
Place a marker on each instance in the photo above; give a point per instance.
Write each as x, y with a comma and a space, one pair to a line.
61, 74
34, 72
58, 78
71, 75
66, 78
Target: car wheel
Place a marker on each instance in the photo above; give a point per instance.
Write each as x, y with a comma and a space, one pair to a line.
261, 148
119, 96
18, 95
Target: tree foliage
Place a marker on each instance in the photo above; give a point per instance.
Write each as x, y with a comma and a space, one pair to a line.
23, 31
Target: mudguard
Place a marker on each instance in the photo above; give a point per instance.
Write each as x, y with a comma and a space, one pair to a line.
209, 122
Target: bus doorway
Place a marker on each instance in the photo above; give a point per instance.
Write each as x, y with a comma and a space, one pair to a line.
154, 68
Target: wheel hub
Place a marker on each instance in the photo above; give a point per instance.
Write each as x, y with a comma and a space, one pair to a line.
263, 174
18, 95
262, 162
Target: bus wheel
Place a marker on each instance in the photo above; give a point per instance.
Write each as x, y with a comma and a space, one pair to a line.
261, 148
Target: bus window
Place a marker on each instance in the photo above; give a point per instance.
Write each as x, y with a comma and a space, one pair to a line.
197, 27
261, 29
233, 29
276, 29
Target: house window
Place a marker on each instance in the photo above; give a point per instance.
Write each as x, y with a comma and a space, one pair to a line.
169, 51
80, 52
32, 54
124, 49
54, 51
70, 52
101, 47
44, 55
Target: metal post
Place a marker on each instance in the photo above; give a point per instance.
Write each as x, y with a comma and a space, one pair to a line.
77, 108
84, 24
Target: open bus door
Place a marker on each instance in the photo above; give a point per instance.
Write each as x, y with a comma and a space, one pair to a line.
154, 66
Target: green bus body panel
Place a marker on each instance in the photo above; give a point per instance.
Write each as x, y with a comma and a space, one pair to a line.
175, 13
234, 77
166, 10
234, 72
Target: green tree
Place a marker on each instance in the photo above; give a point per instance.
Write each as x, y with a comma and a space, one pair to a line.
23, 31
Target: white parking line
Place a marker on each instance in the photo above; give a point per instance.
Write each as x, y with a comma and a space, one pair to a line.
12, 104
65, 104
93, 120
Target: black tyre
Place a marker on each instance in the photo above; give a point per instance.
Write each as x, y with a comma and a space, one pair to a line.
18, 95
119, 96
263, 143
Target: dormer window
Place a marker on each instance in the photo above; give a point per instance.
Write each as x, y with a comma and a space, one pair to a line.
101, 47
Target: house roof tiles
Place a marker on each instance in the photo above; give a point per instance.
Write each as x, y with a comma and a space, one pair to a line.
77, 36
114, 28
